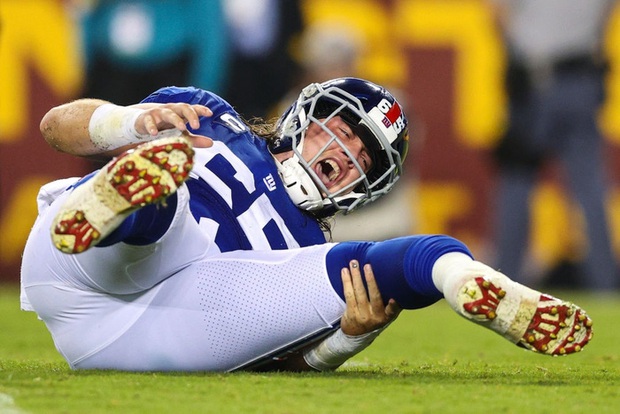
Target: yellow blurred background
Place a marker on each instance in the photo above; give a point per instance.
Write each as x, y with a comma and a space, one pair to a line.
443, 57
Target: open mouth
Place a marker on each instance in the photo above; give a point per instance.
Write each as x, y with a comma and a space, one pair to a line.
328, 171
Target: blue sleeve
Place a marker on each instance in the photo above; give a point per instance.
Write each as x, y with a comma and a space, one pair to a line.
224, 125
402, 266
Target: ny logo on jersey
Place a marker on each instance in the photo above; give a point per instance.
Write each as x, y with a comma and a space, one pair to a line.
270, 182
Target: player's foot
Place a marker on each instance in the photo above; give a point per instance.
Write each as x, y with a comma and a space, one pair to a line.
535, 321
138, 177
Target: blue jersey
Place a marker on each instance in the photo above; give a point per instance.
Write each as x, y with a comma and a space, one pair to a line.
234, 187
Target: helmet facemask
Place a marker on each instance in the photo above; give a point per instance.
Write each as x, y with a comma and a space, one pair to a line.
319, 104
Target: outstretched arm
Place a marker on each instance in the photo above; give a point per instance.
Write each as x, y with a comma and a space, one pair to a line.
364, 319
93, 127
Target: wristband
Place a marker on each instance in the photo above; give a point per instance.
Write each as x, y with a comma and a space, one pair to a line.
112, 126
337, 348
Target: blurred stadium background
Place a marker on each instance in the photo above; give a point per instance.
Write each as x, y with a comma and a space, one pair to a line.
444, 59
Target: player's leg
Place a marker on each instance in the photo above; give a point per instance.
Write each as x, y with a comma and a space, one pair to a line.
120, 268
418, 270
220, 314
240, 308
144, 176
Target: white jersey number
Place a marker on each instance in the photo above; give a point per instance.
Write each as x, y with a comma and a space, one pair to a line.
254, 219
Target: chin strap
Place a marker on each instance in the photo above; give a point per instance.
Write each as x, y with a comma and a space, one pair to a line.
299, 185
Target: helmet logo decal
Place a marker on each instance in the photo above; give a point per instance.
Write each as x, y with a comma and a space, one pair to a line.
392, 114
389, 117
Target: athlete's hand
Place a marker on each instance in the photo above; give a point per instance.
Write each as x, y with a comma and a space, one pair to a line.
161, 117
365, 310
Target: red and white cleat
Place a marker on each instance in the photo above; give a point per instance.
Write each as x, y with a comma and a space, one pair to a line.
145, 175
535, 321
557, 328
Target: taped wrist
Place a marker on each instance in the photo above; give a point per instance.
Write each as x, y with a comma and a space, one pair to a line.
333, 351
112, 126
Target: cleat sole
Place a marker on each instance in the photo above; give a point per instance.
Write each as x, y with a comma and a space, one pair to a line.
142, 176
538, 322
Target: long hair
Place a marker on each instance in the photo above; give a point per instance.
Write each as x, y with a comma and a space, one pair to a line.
268, 130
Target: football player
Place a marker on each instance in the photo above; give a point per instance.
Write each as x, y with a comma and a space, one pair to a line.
200, 246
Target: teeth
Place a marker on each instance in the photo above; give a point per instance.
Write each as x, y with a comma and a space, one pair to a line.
335, 169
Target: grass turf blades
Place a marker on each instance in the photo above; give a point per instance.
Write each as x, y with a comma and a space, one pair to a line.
429, 361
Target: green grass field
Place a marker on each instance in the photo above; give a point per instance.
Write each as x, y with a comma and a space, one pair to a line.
428, 361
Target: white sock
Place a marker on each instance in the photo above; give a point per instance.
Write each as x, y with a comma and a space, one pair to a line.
451, 269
